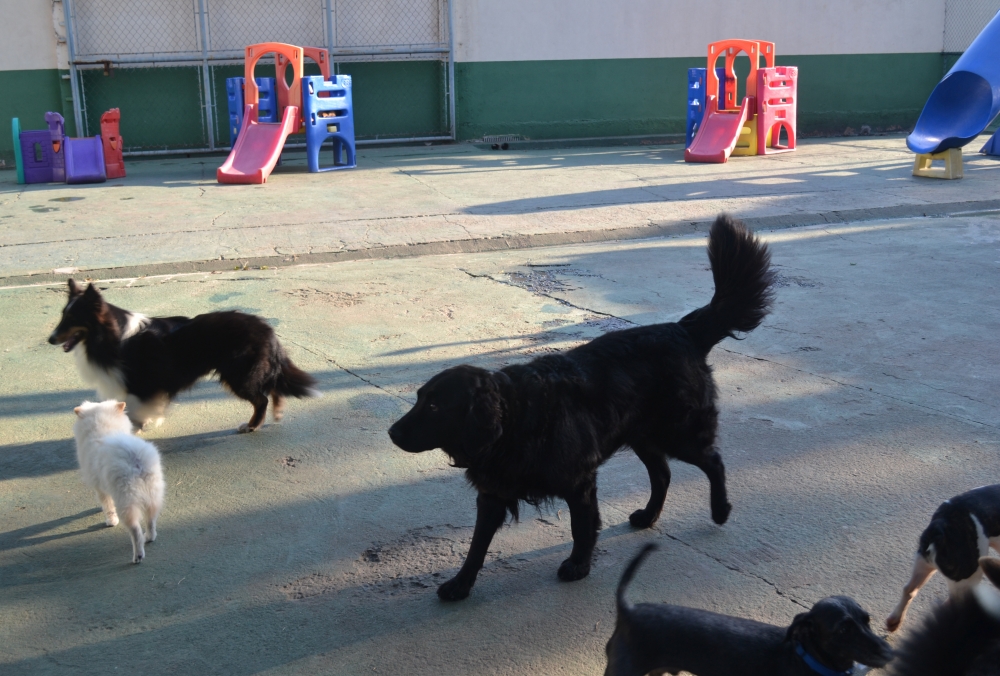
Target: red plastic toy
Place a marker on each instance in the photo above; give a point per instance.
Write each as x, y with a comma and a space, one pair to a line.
751, 126
776, 89
114, 161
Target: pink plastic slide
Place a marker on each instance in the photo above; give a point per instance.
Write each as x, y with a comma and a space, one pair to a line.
257, 148
718, 133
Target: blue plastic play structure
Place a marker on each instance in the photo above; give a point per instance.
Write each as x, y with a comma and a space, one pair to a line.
328, 114
965, 101
696, 99
234, 96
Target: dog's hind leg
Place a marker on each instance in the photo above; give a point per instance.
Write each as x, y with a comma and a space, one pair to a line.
277, 406
711, 464
659, 482
491, 512
152, 514
259, 411
922, 571
585, 521
108, 505
133, 521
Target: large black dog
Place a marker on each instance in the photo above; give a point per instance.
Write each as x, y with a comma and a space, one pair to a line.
540, 430
145, 361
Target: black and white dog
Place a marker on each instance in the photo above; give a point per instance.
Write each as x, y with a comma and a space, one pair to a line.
145, 361
958, 638
961, 531
657, 638
540, 430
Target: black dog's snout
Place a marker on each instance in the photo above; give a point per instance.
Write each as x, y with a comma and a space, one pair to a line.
394, 434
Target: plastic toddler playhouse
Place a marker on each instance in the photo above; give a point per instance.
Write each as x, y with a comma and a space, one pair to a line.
264, 111
48, 156
718, 125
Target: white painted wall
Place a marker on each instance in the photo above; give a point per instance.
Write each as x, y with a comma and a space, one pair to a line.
528, 30
27, 35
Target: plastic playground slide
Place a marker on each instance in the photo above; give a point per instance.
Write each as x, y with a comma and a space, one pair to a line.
965, 101
718, 133
257, 148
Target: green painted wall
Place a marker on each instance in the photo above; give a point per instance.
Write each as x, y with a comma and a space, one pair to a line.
28, 95
622, 97
391, 98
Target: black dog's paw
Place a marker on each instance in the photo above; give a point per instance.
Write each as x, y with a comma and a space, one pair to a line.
570, 571
721, 512
454, 590
641, 518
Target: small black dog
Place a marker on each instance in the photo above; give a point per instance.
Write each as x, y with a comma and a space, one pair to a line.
961, 531
658, 638
540, 430
145, 361
960, 638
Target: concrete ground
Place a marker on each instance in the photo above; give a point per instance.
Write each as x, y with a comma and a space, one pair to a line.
315, 546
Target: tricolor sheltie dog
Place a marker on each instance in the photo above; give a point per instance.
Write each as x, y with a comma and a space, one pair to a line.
145, 361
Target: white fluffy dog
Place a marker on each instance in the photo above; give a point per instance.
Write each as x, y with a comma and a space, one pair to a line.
123, 469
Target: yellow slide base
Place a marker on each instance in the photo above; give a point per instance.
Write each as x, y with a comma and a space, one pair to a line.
922, 164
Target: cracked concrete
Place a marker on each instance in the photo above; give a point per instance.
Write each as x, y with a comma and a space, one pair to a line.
866, 398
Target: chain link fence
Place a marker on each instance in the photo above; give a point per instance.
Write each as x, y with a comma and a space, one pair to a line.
963, 20
164, 64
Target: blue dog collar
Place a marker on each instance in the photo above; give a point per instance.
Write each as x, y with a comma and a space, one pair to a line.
814, 664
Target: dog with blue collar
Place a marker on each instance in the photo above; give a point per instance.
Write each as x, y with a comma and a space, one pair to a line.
828, 640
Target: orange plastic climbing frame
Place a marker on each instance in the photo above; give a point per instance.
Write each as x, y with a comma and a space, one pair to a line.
755, 50
111, 138
288, 93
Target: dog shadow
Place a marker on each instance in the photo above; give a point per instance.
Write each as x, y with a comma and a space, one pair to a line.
23, 537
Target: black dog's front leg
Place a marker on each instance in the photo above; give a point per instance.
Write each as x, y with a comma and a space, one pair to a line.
585, 521
490, 514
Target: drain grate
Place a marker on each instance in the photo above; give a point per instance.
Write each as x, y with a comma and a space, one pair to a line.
507, 138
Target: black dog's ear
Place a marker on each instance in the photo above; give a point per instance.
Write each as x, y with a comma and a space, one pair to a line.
74, 288
92, 295
800, 628
483, 424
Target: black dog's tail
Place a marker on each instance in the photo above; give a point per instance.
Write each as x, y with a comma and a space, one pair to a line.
294, 382
629, 573
741, 267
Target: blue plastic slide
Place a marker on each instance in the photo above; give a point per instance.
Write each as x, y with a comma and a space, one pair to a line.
965, 101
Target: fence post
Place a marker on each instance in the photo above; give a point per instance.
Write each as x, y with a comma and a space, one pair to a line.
331, 31
74, 85
206, 80
451, 70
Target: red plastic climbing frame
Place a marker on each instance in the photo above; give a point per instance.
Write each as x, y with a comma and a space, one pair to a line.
777, 94
111, 138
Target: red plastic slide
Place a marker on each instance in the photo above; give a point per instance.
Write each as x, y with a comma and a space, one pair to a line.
718, 133
257, 148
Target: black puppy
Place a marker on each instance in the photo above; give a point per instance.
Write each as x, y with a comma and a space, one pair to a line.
961, 531
540, 430
658, 638
959, 638
145, 361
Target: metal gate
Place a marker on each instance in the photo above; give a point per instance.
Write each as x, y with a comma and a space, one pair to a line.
164, 64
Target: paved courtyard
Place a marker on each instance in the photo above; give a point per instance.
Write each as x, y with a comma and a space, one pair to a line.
315, 546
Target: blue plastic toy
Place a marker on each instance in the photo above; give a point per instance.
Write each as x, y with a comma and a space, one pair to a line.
328, 113
992, 146
234, 96
965, 101
696, 99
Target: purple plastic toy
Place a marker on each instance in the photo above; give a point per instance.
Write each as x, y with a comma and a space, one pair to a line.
85, 160
36, 152
58, 135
